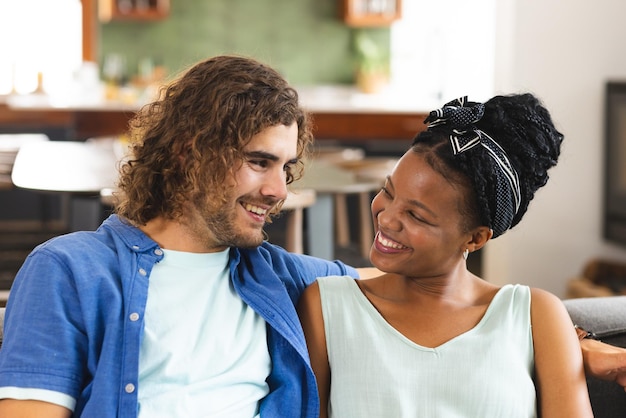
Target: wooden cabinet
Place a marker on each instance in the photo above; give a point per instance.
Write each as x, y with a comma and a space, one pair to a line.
80, 124
336, 126
357, 126
109, 10
370, 13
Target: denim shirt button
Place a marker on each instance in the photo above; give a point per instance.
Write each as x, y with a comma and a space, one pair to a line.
142, 272
158, 251
134, 316
129, 388
135, 247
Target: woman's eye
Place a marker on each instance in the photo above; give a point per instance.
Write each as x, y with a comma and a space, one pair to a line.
385, 191
419, 218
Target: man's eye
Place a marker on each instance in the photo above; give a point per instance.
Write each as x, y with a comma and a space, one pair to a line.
260, 163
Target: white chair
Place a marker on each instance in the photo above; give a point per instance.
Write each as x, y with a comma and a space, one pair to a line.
78, 169
66, 166
9, 146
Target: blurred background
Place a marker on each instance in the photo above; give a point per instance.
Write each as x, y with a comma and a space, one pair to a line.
368, 70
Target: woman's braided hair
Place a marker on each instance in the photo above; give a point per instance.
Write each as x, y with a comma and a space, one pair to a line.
523, 128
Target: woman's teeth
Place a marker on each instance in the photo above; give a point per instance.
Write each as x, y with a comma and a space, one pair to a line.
389, 244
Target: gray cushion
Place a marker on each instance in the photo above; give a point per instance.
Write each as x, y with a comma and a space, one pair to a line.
606, 316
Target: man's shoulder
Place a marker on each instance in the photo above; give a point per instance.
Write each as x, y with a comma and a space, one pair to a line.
275, 254
290, 266
112, 235
269, 254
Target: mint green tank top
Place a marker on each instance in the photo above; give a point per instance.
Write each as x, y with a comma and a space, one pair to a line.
378, 372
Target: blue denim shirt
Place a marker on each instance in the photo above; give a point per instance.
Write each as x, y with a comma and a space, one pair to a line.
74, 319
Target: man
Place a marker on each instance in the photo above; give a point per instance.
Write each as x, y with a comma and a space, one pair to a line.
215, 333
175, 306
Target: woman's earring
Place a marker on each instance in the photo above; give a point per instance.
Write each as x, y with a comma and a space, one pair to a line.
465, 254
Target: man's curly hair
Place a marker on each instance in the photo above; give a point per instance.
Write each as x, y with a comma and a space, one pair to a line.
187, 144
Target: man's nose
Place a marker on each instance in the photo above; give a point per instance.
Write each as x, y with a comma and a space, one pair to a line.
276, 185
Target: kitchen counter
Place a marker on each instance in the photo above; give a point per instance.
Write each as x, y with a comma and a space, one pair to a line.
339, 113
347, 99
320, 98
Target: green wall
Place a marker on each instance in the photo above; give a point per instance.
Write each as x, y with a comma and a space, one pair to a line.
304, 39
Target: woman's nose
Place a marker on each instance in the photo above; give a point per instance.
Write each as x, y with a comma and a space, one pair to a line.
385, 216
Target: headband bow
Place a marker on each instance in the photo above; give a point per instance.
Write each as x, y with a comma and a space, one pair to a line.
459, 117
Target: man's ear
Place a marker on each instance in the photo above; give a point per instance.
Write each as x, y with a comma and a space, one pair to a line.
479, 238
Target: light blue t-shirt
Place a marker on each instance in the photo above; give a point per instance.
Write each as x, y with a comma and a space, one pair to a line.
200, 355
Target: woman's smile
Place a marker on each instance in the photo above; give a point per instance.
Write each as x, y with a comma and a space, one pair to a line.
387, 245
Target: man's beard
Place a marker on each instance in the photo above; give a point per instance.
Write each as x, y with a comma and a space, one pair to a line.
221, 221
226, 232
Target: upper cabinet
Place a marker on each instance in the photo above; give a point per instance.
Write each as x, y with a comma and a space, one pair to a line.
109, 10
370, 13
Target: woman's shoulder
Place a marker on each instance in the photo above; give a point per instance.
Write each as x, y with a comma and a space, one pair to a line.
548, 313
543, 299
335, 284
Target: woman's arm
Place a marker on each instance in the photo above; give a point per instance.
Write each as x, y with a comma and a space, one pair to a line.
310, 312
560, 377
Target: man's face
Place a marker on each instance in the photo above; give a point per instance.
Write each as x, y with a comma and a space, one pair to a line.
259, 184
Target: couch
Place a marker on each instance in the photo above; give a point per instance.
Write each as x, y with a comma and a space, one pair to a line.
606, 317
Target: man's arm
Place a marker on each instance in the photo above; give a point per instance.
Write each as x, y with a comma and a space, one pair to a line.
32, 409
368, 272
604, 361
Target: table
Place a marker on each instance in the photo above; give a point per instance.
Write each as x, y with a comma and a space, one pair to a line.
329, 180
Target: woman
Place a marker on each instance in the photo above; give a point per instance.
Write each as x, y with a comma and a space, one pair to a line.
428, 338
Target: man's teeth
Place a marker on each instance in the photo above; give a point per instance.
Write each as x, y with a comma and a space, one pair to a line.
389, 244
255, 209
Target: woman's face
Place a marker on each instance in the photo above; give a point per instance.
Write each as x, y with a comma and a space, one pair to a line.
418, 222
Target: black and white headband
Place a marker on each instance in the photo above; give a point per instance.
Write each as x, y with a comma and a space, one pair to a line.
459, 117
